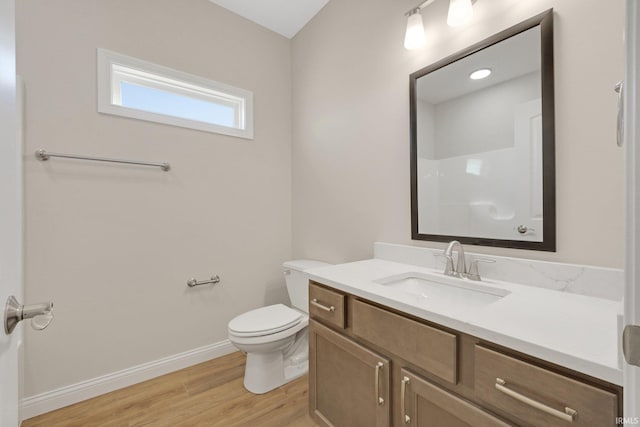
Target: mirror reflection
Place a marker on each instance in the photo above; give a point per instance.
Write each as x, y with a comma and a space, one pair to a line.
479, 146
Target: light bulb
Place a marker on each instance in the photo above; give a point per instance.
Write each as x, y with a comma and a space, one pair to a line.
480, 74
414, 37
460, 12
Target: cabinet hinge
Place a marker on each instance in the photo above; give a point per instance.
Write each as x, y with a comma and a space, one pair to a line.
631, 344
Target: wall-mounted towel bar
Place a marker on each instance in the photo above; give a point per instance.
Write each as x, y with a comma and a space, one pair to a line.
193, 282
45, 155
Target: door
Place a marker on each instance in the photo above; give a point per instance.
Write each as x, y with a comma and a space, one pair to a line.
348, 383
10, 215
631, 91
424, 404
528, 221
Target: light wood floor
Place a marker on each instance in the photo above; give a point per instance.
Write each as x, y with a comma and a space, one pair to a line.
210, 394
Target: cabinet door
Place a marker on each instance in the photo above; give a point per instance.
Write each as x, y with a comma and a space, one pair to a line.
423, 404
348, 383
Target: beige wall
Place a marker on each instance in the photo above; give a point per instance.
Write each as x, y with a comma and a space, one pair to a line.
113, 246
351, 124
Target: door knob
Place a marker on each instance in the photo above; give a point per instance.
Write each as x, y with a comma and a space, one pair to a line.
523, 229
41, 315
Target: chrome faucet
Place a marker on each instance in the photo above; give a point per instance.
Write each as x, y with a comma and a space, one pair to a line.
461, 269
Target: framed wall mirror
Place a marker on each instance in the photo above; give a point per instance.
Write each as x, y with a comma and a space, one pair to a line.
483, 142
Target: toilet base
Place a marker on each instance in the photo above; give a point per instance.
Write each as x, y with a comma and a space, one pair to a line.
269, 370
264, 372
276, 359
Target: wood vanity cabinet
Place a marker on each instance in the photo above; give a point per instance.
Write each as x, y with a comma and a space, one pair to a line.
372, 366
350, 382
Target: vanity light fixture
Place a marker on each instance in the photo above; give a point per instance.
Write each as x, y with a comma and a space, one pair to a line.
480, 74
414, 36
460, 12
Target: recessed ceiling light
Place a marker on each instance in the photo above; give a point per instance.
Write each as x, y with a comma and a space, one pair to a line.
480, 74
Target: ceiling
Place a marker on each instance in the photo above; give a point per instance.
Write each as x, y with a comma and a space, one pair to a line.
508, 59
285, 17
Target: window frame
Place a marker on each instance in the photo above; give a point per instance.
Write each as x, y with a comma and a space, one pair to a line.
115, 68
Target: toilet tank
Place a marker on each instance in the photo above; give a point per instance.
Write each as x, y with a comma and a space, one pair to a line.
298, 281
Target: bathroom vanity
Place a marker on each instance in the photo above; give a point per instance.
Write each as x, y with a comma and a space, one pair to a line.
385, 351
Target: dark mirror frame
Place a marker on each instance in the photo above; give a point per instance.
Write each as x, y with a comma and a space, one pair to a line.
548, 243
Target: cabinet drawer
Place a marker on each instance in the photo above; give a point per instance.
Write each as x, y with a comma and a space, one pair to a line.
424, 346
538, 397
327, 305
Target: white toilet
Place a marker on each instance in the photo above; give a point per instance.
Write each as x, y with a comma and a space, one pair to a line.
275, 337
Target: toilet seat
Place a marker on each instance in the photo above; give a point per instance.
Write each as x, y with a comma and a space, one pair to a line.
264, 321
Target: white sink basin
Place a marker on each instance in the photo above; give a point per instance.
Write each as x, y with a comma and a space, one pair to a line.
444, 290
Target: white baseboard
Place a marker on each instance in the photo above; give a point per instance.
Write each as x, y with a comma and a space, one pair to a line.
45, 402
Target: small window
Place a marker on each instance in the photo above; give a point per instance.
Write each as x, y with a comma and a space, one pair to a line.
138, 89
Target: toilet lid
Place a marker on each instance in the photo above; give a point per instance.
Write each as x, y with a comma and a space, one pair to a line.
264, 321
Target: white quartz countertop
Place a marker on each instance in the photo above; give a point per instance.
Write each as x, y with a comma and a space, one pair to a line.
575, 331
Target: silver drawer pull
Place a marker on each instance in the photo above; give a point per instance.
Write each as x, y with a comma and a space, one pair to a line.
322, 306
568, 414
403, 392
379, 366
